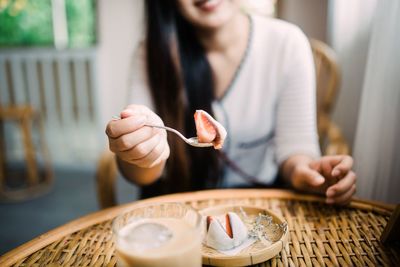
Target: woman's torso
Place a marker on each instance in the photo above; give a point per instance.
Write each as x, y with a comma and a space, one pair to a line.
251, 109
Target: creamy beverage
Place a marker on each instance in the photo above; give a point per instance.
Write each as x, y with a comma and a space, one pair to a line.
167, 242
160, 234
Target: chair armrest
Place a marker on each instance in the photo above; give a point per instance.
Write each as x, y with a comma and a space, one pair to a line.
336, 144
106, 175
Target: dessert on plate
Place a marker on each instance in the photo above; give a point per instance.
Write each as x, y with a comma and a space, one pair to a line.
225, 233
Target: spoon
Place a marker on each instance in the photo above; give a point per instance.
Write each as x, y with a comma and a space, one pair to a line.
193, 141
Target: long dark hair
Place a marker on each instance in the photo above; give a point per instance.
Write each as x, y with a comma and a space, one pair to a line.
180, 80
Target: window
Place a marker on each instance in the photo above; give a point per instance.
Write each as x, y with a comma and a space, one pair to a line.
61, 23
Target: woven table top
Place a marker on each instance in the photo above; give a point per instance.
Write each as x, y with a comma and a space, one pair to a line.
320, 234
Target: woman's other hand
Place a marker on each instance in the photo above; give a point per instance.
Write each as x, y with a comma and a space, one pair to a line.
134, 143
329, 175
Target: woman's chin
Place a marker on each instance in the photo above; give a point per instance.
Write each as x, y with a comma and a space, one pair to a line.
215, 20
213, 23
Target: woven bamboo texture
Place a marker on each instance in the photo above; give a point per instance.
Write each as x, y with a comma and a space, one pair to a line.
320, 235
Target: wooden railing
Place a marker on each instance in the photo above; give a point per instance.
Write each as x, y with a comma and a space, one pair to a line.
61, 86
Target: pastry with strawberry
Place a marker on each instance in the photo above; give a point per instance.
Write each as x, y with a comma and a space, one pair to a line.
209, 130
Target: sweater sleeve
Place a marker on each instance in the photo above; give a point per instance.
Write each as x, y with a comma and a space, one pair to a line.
139, 91
296, 131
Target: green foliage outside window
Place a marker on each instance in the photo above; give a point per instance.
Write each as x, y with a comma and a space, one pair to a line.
30, 23
81, 16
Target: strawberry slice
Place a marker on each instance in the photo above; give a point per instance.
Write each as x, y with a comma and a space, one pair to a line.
209, 220
228, 226
206, 132
208, 129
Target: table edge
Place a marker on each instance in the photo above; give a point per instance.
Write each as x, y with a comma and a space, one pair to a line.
47, 238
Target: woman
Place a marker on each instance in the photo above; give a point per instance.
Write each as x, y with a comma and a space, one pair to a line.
255, 75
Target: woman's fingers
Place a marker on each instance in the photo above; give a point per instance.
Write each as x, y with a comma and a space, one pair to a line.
144, 148
141, 150
315, 165
343, 199
304, 177
128, 141
117, 128
162, 157
339, 181
341, 165
136, 143
326, 167
152, 158
342, 186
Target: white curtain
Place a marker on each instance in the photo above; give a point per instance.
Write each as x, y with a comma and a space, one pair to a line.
349, 28
376, 148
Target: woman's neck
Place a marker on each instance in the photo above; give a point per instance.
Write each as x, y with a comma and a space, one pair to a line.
221, 39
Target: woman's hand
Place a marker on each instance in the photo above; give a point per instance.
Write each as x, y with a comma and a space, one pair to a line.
134, 143
330, 175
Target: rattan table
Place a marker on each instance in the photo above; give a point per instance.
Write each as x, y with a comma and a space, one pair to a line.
320, 234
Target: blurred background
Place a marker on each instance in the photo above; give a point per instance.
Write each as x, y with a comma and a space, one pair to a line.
65, 71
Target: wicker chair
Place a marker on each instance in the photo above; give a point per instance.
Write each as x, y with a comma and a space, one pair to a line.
331, 139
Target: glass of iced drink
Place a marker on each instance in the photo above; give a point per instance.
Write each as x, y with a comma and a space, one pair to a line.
164, 234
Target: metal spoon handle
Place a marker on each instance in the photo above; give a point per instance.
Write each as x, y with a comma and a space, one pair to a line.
193, 141
171, 130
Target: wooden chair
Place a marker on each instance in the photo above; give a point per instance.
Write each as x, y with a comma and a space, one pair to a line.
36, 180
331, 139
106, 175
